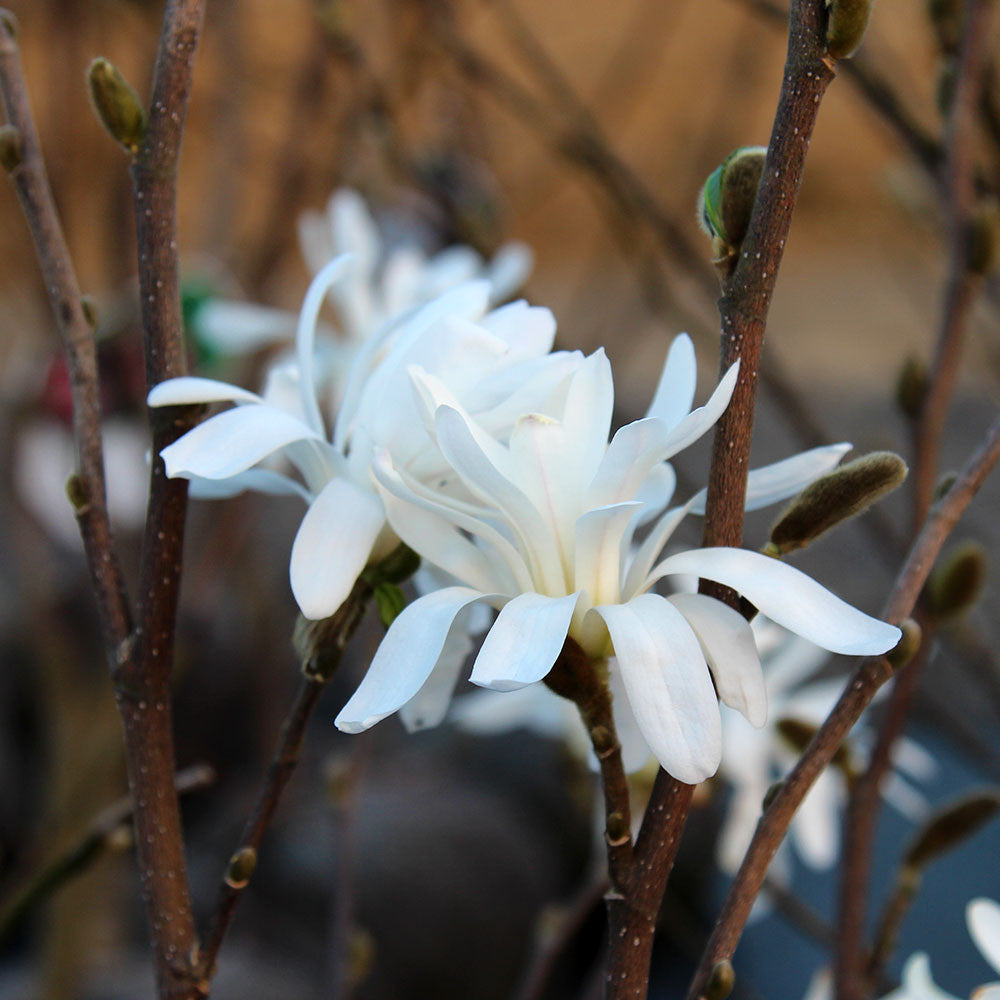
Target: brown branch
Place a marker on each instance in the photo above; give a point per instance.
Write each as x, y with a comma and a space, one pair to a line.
337, 631
869, 676
32, 184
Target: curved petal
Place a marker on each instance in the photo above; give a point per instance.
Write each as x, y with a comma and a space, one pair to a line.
406, 657
668, 685
635, 749
918, 982
524, 642
233, 441
190, 389
429, 705
729, 647
599, 538
983, 918
254, 480
353, 230
238, 328
637, 577
787, 597
678, 381
509, 270
628, 460
333, 545
698, 421
784, 479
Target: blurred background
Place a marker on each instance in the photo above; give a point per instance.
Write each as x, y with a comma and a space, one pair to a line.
423, 866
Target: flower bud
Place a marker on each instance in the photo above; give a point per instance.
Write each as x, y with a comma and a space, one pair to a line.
319, 646
241, 866
908, 645
981, 252
949, 826
911, 387
11, 147
116, 104
943, 486
720, 981
845, 26
617, 831
76, 492
603, 741
89, 307
726, 202
956, 582
847, 491
120, 839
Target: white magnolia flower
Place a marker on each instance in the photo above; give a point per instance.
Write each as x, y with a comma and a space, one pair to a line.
982, 916
381, 283
497, 363
553, 516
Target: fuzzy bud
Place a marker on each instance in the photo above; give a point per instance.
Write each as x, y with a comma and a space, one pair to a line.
842, 494
948, 827
116, 104
911, 387
983, 237
726, 202
957, 582
845, 26
908, 645
241, 866
721, 980
11, 147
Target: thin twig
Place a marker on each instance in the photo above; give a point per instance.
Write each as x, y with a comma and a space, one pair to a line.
283, 763
868, 677
94, 842
32, 184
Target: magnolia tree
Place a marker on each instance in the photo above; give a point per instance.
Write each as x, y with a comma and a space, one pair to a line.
418, 411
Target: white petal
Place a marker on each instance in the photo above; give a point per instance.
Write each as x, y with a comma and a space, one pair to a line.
917, 981
656, 491
190, 389
234, 440
254, 480
784, 479
405, 658
430, 704
668, 685
983, 918
353, 229
600, 535
675, 392
728, 644
635, 749
449, 268
237, 328
698, 421
631, 456
991, 991
524, 643
509, 270
637, 577
816, 826
333, 545
587, 417
534, 708
788, 597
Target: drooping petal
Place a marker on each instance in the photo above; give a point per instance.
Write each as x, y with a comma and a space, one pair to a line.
234, 329
333, 545
983, 918
509, 269
405, 658
788, 597
429, 705
233, 441
635, 749
675, 392
668, 684
524, 642
189, 389
253, 480
787, 478
698, 421
728, 644
600, 535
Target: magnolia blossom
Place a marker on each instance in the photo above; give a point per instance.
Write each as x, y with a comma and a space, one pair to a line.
546, 539
982, 916
497, 363
380, 284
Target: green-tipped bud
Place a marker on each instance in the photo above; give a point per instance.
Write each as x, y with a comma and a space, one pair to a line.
11, 147
617, 830
720, 981
949, 826
844, 493
845, 26
911, 387
9, 22
398, 566
240, 868
957, 582
390, 601
725, 203
771, 794
76, 492
908, 644
116, 104
947, 17
983, 236
944, 485
90, 314
319, 646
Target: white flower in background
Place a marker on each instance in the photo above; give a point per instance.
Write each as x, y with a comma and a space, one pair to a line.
982, 916
381, 283
497, 363
553, 516
753, 759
